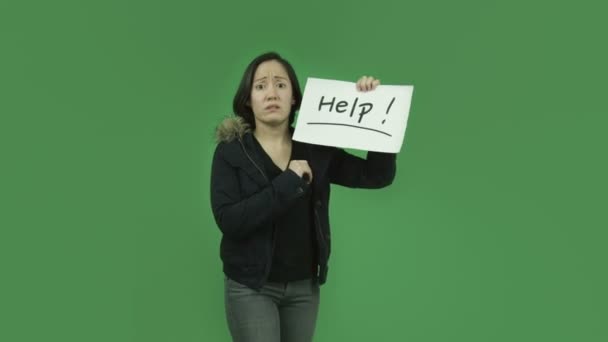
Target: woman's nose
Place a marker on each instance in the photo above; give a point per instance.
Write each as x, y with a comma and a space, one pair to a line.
272, 92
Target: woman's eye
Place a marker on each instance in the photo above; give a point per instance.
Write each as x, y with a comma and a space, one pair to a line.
259, 86
282, 85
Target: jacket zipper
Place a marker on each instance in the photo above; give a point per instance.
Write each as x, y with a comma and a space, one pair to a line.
267, 271
322, 239
318, 229
253, 162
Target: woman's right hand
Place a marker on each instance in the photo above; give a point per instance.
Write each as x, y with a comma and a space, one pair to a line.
302, 169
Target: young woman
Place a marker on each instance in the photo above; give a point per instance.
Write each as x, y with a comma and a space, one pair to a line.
270, 199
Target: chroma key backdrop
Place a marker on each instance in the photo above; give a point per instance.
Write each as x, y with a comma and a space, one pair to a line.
493, 230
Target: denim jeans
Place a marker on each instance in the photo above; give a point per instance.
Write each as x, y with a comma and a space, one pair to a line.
279, 312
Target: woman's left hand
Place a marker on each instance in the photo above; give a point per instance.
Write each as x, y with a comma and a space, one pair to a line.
366, 83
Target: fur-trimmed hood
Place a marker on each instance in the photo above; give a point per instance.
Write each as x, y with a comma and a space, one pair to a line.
233, 127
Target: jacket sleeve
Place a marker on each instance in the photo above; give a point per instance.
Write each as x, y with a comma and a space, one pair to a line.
239, 217
377, 171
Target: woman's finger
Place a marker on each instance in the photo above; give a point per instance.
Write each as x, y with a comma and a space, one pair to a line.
361, 83
375, 83
308, 171
368, 83
365, 83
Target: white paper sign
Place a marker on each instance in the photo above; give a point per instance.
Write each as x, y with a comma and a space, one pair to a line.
335, 113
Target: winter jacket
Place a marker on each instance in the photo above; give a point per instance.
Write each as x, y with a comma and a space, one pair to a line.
245, 202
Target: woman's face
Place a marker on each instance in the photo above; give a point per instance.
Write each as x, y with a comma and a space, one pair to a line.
271, 94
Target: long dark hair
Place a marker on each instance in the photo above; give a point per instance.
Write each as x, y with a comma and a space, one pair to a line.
243, 94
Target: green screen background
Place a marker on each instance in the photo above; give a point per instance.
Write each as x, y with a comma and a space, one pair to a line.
494, 229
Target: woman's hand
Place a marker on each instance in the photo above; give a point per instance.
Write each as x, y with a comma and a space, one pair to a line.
302, 169
366, 83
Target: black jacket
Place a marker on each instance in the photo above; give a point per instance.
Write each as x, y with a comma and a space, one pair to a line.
245, 202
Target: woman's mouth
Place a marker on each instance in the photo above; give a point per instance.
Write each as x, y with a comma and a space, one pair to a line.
272, 107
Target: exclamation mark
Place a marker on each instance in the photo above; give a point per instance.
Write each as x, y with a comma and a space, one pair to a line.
389, 108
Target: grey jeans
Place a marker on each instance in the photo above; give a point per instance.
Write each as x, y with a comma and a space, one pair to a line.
280, 312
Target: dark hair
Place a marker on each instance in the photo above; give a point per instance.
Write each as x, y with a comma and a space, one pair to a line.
243, 94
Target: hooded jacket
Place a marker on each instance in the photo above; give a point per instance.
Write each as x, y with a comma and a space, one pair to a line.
245, 202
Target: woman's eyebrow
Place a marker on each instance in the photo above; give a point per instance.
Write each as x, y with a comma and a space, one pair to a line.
264, 78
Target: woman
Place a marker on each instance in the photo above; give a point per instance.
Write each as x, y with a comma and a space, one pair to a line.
270, 199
